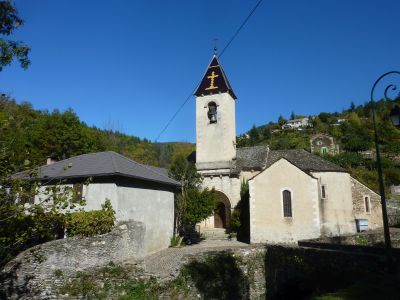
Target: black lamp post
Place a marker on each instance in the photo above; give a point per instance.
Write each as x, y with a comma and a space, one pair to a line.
395, 117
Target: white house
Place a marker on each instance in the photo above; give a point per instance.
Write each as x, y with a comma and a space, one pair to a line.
296, 123
136, 191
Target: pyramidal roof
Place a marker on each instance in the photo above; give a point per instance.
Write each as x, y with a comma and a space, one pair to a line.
214, 81
99, 164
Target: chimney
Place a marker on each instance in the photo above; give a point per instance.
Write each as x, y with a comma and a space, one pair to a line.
51, 159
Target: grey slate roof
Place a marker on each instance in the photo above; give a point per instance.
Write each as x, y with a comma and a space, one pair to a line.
251, 158
259, 157
107, 163
304, 160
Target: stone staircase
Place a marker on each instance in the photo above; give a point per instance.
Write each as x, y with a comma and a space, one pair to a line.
214, 233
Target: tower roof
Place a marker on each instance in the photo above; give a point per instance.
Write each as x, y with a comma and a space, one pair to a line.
214, 81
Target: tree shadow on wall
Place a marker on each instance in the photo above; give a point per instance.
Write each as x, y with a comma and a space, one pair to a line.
218, 277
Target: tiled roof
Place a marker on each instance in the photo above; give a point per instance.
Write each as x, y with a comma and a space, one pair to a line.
304, 160
251, 158
258, 157
107, 163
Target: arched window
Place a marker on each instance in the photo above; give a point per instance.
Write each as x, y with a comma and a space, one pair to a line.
287, 204
367, 204
212, 112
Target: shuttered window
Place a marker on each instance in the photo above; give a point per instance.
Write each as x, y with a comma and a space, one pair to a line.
287, 204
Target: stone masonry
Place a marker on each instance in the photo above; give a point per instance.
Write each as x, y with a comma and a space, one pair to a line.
31, 273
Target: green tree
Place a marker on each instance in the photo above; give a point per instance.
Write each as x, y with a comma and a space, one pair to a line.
352, 106
356, 136
281, 121
192, 204
200, 204
266, 132
318, 126
60, 133
9, 49
254, 136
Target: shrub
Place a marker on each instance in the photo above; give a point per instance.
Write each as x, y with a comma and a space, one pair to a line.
235, 221
90, 223
23, 231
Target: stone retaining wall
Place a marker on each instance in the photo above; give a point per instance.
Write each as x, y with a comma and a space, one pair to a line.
393, 211
299, 273
33, 272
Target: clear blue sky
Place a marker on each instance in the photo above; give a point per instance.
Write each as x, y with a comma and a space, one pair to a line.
128, 65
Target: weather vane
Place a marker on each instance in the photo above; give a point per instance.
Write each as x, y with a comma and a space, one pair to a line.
215, 40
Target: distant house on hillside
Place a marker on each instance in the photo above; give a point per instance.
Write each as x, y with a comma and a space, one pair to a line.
297, 123
323, 144
137, 192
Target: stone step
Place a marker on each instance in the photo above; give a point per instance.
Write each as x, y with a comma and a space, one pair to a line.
215, 234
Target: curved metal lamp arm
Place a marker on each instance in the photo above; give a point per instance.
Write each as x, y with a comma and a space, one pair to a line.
392, 87
388, 244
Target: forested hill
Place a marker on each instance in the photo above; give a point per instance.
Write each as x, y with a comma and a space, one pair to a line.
28, 136
352, 129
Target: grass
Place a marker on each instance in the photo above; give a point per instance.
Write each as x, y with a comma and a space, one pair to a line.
118, 282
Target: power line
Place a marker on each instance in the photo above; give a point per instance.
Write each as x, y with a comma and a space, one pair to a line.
222, 52
240, 27
175, 114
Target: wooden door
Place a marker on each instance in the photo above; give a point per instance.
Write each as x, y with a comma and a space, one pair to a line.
220, 216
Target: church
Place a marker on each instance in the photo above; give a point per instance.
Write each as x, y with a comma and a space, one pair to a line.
293, 194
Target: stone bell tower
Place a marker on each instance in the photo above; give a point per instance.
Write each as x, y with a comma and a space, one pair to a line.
215, 121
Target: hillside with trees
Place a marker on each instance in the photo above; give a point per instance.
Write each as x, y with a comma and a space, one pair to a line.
352, 130
28, 136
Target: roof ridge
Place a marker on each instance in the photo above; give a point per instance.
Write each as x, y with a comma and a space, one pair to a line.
249, 147
144, 166
74, 157
113, 161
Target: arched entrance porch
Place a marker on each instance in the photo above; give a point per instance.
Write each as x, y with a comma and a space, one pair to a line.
222, 213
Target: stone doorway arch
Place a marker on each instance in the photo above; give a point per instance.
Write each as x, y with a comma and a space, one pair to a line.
222, 213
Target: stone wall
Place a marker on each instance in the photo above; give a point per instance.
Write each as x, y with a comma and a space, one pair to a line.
393, 210
359, 192
227, 274
33, 272
300, 273
229, 186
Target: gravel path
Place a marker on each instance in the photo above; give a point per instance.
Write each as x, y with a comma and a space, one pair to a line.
167, 263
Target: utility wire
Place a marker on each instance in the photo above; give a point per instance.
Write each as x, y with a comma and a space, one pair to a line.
222, 52
175, 114
240, 27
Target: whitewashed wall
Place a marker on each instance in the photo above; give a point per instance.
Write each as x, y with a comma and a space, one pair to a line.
142, 202
155, 208
215, 142
337, 216
267, 223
